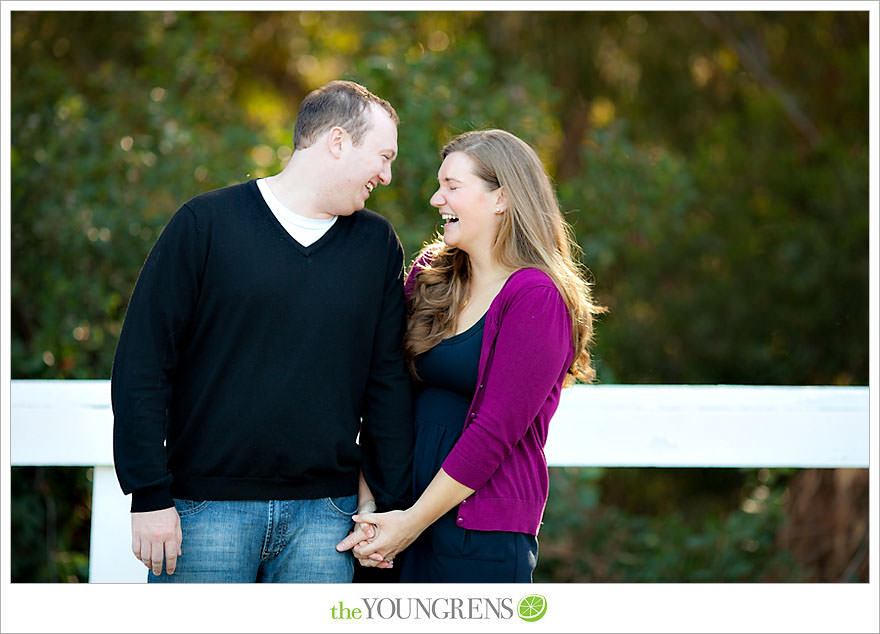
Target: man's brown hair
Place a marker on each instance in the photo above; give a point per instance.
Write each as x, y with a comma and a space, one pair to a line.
338, 103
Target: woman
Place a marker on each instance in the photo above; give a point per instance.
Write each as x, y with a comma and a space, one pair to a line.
499, 319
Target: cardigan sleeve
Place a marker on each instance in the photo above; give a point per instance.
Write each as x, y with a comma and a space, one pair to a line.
421, 262
531, 355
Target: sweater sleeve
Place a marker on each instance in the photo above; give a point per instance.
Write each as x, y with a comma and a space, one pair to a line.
153, 334
386, 427
532, 351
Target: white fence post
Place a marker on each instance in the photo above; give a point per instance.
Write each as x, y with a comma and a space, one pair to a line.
110, 556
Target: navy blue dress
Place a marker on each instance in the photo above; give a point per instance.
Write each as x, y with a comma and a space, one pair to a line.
445, 552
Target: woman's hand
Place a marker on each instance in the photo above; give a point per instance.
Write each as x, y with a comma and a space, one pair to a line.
395, 531
363, 533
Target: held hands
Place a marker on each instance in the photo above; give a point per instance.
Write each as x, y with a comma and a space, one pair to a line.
363, 533
394, 531
156, 537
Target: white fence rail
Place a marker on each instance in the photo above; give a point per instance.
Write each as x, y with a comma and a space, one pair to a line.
69, 423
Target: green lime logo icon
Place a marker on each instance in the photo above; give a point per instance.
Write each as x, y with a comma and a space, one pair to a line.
532, 607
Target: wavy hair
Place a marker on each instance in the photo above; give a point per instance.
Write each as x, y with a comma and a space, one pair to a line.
532, 234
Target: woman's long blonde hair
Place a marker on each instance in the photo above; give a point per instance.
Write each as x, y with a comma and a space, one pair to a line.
532, 234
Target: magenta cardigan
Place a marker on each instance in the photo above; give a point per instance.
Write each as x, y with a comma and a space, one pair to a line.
526, 351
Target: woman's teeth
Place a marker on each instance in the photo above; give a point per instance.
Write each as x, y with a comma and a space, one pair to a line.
449, 218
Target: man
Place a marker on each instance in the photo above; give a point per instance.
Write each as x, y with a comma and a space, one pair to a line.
263, 335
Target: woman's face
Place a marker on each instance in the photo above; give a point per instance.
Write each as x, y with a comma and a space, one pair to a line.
471, 211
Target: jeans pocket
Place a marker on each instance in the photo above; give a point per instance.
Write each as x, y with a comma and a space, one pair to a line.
186, 508
340, 504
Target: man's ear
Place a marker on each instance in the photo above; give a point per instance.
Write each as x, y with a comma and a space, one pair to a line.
336, 139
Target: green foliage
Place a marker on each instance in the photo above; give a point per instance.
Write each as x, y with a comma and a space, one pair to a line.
107, 145
50, 523
703, 526
714, 168
637, 203
728, 237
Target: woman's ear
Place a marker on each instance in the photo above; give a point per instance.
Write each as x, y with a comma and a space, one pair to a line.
500, 201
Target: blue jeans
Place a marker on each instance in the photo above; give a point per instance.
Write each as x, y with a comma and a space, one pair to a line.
283, 541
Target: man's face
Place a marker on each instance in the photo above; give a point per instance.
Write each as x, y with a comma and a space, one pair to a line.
366, 166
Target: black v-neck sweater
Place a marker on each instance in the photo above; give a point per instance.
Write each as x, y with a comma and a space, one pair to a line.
248, 364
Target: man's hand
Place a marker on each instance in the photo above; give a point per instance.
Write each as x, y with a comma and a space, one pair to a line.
156, 537
362, 534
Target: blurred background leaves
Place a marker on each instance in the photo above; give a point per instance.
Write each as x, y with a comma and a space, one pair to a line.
714, 167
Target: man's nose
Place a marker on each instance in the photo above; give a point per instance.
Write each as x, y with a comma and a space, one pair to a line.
385, 175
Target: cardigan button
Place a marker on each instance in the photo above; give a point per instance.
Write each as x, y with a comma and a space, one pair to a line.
460, 520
